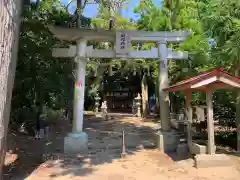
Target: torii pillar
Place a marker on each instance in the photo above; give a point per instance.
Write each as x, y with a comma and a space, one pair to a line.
163, 83
167, 138
77, 140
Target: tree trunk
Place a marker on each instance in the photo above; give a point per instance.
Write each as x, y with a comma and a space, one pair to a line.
144, 88
10, 11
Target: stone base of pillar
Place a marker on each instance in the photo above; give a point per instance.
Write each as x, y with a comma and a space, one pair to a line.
167, 141
215, 160
76, 143
196, 147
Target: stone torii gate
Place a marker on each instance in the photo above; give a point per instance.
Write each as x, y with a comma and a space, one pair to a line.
76, 141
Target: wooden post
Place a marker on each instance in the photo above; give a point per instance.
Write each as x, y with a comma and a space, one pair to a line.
123, 154
189, 116
210, 125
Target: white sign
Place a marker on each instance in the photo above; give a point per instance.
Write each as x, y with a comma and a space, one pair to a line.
122, 44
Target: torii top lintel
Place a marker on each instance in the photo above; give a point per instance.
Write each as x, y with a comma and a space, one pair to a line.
106, 35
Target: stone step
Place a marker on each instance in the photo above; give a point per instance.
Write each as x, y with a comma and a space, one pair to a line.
215, 160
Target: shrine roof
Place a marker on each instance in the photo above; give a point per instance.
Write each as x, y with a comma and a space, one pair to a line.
215, 78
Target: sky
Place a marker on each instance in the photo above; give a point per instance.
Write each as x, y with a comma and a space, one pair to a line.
91, 9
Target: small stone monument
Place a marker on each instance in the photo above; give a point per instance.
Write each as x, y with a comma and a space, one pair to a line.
41, 133
40, 130
138, 105
180, 116
47, 132
182, 148
200, 113
97, 99
104, 110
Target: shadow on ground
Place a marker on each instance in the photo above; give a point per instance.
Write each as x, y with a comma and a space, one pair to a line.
105, 146
105, 143
23, 155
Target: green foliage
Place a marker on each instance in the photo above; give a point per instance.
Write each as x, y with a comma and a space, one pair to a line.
222, 22
40, 80
226, 138
51, 116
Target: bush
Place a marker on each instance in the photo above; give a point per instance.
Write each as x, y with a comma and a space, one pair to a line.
226, 138
51, 116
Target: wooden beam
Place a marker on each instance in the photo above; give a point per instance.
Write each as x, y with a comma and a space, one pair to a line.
229, 82
204, 82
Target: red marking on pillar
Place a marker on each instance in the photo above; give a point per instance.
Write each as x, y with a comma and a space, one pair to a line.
79, 84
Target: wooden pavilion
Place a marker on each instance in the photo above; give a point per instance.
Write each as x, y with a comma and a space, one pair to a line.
206, 81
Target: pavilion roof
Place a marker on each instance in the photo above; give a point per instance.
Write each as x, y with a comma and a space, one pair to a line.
215, 78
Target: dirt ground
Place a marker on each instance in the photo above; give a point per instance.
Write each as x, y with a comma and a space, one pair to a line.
103, 161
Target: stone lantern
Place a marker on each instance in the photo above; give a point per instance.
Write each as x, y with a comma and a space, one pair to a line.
138, 105
104, 110
97, 99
